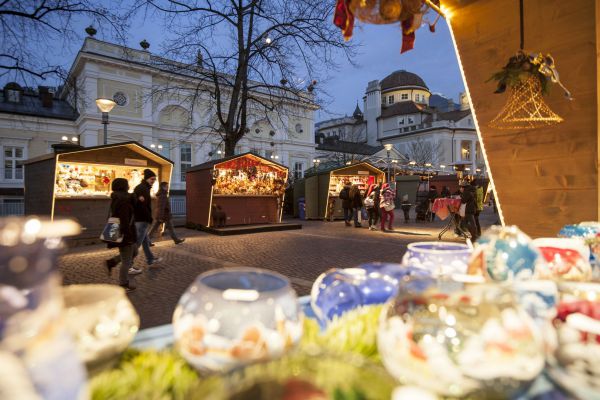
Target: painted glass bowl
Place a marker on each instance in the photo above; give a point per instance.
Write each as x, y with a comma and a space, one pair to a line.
589, 234
459, 339
566, 259
343, 289
439, 258
505, 253
235, 316
102, 320
578, 326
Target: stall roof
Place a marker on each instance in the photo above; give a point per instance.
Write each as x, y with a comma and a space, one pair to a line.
336, 166
135, 146
212, 163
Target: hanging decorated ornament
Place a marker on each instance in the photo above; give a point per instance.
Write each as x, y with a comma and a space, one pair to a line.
408, 12
528, 77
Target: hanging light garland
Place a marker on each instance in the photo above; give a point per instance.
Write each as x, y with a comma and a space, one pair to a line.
528, 77
409, 13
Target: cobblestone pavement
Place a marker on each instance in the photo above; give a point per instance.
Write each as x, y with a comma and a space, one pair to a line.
301, 255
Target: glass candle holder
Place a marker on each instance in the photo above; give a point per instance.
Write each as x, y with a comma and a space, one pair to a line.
438, 257
343, 289
578, 326
235, 316
566, 259
35, 348
102, 320
459, 339
505, 253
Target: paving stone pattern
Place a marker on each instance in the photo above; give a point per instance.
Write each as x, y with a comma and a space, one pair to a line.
301, 255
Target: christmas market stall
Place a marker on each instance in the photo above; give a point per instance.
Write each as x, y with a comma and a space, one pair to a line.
243, 189
74, 181
322, 189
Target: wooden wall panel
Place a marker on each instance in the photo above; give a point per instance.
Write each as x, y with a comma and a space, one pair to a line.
198, 191
548, 177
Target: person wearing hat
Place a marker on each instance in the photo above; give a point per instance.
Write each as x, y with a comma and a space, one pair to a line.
143, 217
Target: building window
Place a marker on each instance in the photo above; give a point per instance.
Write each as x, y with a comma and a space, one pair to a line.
400, 121
13, 96
269, 153
218, 151
465, 150
13, 162
478, 154
391, 99
165, 150
470, 121
185, 159
411, 120
256, 151
383, 100
404, 96
298, 170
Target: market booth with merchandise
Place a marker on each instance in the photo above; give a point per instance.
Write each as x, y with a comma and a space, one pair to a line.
245, 189
322, 189
75, 182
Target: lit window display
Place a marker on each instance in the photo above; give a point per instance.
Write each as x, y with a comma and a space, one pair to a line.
248, 177
336, 182
80, 179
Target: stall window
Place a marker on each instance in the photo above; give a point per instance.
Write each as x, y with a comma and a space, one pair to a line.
165, 151
404, 96
298, 170
465, 150
185, 159
13, 162
390, 99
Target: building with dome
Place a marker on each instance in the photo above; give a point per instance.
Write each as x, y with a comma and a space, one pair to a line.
422, 126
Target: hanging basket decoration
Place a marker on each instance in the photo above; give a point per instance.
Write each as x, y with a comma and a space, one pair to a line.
409, 13
525, 108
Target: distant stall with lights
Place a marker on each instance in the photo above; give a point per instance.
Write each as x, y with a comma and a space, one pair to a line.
75, 182
245, 189
322, 188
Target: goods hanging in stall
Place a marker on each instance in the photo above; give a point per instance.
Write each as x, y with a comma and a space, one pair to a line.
325, 186
75, 182
240, 190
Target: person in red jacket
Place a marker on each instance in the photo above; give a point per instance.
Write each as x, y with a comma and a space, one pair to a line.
387, 207
164, 213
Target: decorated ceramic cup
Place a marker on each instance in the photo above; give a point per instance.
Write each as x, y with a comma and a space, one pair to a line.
578, 326
343, 289
440, 258
566, 259
505, 254
460, 340
235, 316
102, 320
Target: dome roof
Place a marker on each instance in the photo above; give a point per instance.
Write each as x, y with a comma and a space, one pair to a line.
402, 78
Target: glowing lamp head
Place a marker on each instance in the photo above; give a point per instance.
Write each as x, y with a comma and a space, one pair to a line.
388, 146
105, 105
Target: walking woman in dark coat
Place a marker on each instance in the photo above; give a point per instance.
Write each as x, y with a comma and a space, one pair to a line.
357, 203
164, 213
121, 206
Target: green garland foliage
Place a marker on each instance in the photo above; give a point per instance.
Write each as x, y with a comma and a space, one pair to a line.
518, 69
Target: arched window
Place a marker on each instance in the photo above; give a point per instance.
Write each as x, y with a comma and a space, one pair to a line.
175, 116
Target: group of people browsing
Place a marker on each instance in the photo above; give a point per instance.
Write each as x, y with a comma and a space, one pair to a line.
377, 201
134, 211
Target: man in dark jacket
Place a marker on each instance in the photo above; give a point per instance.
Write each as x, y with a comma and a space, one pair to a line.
346, 203
143, 216
468, 198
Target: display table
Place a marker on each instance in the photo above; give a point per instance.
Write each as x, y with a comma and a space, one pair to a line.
162, 336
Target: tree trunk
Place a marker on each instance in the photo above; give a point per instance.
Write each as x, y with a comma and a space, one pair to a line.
230, 143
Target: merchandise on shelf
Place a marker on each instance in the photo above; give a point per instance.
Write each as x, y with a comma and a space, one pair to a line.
81, 179
248, 177
336, 182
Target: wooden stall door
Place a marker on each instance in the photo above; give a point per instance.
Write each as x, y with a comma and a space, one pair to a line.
545, 178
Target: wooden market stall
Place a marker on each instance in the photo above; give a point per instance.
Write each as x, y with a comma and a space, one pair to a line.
546, 177
75, 181
248, 189
325, 186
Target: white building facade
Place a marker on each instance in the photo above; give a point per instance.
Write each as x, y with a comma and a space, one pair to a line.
170, 125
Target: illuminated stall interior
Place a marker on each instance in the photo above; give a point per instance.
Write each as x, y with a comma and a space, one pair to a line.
76, 182
247, 188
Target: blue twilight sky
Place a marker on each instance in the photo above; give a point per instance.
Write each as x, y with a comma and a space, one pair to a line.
433, 58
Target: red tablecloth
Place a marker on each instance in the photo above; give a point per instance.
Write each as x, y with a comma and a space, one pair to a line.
444, 205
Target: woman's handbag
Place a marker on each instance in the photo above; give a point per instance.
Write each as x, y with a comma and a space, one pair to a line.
112, 231
369, 202
462, 210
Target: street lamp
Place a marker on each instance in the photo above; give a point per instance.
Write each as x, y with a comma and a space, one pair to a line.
395, 162
316, 163
388, 148
105, 106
